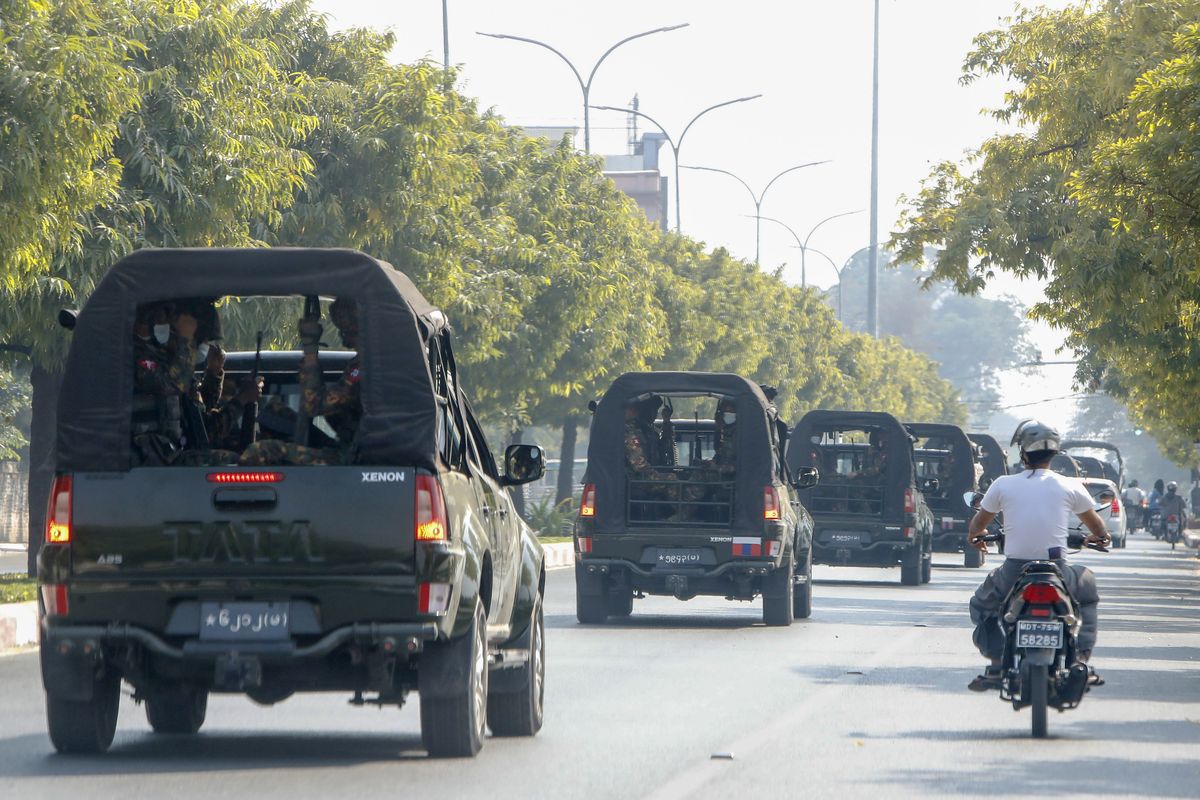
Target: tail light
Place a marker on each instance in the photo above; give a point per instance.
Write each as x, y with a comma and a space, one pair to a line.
54, 599
58, 513
587, 503
770, 502
909, 533
910, 502
1116, 507
1042, 593
1145, 503
433, 598
583, 544
1172, 519
430, 514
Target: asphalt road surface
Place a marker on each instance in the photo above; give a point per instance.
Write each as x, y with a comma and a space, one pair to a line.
866, 699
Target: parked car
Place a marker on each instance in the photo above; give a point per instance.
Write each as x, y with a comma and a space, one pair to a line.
1115, 517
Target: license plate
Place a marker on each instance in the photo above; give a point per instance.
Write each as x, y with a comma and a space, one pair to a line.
844, 537
244, 622
1039, 634
679, 557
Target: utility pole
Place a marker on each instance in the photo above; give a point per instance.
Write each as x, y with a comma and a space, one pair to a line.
446, 34
873, 266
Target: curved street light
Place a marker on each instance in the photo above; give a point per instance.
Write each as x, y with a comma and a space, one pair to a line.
803, 244
677, 143
584, 86
757, 199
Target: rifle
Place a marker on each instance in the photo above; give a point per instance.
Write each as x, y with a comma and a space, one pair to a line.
312, 311
250, 412
195, 433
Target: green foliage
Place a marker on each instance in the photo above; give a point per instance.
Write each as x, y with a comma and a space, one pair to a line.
14, 400
17, 589
549, 519
1097, 192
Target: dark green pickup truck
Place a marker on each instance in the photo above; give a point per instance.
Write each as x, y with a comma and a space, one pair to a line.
377, 562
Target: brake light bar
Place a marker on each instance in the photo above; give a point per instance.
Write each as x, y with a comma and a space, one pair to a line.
770, 502
1041, 593
587, 503
58, 512
429, 523
244, 477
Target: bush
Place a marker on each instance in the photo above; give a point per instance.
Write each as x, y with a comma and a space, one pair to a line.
17, 588
550, 519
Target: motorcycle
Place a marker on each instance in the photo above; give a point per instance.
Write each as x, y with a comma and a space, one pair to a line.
1156, 523
1041, 624
1173, 530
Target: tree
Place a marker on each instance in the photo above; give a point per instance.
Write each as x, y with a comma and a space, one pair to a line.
1097, 192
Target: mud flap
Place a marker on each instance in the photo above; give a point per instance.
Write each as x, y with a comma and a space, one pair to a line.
68, 672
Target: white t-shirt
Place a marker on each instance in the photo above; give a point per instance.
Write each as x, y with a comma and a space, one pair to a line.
1038, 508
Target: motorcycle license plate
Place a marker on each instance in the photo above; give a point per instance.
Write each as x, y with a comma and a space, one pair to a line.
1031, 633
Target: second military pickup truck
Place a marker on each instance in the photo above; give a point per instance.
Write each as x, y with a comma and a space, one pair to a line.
377, 559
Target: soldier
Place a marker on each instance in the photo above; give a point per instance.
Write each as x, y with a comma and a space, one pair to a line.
875, 463
162, 371
723, 464
340, 404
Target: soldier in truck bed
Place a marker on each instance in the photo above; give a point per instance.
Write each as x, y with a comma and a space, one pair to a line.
340, 403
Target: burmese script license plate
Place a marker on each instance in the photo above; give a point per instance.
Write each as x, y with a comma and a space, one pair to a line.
1031, 633
244, 622
679, 557
845, 537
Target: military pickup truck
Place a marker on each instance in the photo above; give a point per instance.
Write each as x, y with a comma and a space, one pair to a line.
398, 566
945, 454
714, 513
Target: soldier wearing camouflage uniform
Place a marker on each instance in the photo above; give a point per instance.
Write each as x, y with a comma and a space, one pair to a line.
340, 403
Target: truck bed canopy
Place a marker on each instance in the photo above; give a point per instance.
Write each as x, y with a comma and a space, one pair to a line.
951, 439
395, 322
994, 462
606, 447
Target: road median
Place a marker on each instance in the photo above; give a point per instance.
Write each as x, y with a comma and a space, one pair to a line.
18, 625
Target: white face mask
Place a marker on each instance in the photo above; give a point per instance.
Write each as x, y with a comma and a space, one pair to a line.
162, 333
728, 417
202, 352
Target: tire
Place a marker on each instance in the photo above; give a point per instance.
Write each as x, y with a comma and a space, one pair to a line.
910, 566
454, 717
972, 558
1038, 684
927, 569
176, 709
520, 712
85, 726
619, 602
802, 593
779, 595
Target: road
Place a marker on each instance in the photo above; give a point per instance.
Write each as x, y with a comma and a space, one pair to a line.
866, 699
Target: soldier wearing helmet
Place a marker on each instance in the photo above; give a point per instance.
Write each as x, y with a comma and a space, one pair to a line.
1037, 504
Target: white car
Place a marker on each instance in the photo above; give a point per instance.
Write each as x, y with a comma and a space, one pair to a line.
1105, 491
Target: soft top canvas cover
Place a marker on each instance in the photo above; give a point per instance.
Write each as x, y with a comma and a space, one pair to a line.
951, 438
993, 461
606, 447
395, 321
802, 453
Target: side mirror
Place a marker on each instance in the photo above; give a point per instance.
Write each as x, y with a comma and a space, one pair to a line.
973, 499
807, 477
592, 406
931, 485
67, 318
985, 484
523, 463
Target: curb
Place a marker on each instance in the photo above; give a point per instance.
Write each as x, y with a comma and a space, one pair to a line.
559, 555
18, 624
13, 547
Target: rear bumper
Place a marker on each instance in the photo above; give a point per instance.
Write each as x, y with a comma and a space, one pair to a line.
949, 541
741, 578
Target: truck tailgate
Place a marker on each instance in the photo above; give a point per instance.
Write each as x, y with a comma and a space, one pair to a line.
218, 522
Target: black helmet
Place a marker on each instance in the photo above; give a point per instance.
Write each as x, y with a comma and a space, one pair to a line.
1133, 484
1032, 436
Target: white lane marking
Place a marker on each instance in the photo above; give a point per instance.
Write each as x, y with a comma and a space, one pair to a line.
695, 776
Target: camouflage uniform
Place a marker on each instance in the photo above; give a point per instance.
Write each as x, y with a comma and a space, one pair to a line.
340, 404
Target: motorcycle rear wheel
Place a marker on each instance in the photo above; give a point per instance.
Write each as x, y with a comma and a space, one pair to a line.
1038, 685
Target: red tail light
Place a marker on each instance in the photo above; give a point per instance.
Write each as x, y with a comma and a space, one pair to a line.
770, 502
1172, 519
244, 477
433, 598
910, 502
1116, 507
429, 517
54, 599
1042, 593
58, 513
587, 503
583, 544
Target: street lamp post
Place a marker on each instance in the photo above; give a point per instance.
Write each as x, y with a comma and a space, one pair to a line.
677, 143
757, 199
836, 269
803, 243
584, 86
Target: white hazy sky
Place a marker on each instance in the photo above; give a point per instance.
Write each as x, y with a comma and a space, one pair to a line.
810, 60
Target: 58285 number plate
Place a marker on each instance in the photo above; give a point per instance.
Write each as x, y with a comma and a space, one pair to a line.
1031, 633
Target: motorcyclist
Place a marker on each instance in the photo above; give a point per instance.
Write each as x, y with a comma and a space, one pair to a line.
1037, 505
1133, 497
1153, 506
1173, 503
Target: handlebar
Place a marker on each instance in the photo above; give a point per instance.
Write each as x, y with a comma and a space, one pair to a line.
1075, 542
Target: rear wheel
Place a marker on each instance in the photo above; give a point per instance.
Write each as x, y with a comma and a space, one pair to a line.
1038, 684
910, 566
927, 568
85, 726
176, 709
802, 589
453, 683
972, 558
519, 711
778, 595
